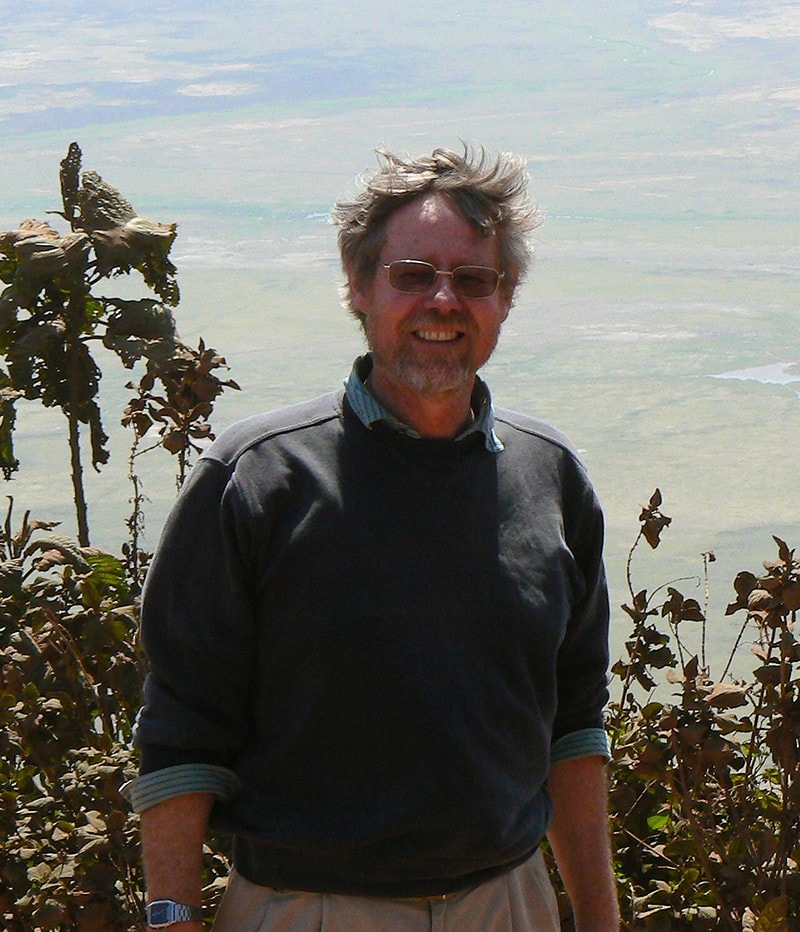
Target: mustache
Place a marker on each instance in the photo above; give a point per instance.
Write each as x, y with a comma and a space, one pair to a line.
453, 320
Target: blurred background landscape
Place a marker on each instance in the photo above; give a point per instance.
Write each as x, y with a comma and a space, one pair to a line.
659, 325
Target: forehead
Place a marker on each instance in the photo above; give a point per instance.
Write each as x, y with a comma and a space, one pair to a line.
432, 227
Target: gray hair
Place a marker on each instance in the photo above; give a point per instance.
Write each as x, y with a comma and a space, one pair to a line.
490, 193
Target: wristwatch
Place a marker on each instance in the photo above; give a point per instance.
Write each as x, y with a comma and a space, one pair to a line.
163, 913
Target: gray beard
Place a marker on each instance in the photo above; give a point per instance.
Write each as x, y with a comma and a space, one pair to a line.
437, 379
425, 377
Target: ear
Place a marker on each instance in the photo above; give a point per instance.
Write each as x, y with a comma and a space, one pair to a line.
358, 289
506, 300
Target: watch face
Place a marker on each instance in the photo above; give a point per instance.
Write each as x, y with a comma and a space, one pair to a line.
159, 913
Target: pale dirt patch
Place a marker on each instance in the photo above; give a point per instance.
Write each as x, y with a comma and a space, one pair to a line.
699, 30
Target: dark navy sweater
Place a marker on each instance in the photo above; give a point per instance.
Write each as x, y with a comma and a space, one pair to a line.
382, 638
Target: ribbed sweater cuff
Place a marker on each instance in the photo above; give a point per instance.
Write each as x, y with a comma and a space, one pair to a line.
150, 788
587, 742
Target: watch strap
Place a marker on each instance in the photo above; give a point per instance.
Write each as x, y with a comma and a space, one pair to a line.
163, 913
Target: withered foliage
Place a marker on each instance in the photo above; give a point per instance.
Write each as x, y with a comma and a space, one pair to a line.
179, 409
70, 687
50, 316
705, 777
70, 669
68, 679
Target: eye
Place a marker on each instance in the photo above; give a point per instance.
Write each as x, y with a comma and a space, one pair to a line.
411, 277
475, 281
472, 279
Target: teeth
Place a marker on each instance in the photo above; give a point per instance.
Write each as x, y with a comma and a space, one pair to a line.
437, 336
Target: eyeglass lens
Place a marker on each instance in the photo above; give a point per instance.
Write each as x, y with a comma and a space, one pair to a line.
414, 277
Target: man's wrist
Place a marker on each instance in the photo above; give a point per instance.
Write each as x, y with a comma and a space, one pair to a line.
163, 913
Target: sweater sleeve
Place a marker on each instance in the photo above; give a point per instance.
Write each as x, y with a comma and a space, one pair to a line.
198, 632
154, 787
583, 657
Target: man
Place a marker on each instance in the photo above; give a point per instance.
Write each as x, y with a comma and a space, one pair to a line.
377, 621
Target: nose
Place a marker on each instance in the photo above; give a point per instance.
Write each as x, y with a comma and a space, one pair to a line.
442, 292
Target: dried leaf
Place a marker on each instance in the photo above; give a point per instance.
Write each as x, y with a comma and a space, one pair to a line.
146, 318
769, 674
791, 597
784, 553
653, 522
102, 206
174, 441
760, 600
69, 177
58, 551
775, 916
727, 696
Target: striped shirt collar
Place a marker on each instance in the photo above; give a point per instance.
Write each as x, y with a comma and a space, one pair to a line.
370, 411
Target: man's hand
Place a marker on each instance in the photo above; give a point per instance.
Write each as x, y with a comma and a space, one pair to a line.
580, 839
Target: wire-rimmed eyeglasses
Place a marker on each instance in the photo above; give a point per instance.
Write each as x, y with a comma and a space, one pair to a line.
412, 276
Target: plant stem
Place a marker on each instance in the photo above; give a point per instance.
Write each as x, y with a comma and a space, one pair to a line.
78, 493
759, 713
135, 522
706, 600
736, 644
699, 838
629, 561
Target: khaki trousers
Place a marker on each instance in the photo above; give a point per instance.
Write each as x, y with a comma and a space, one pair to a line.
521, 900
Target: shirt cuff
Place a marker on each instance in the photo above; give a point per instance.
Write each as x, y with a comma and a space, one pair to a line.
150, 788
588, 742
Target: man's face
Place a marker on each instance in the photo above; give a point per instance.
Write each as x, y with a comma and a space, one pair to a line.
430, 343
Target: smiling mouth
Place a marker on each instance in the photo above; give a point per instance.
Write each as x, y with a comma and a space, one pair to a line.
438, 336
